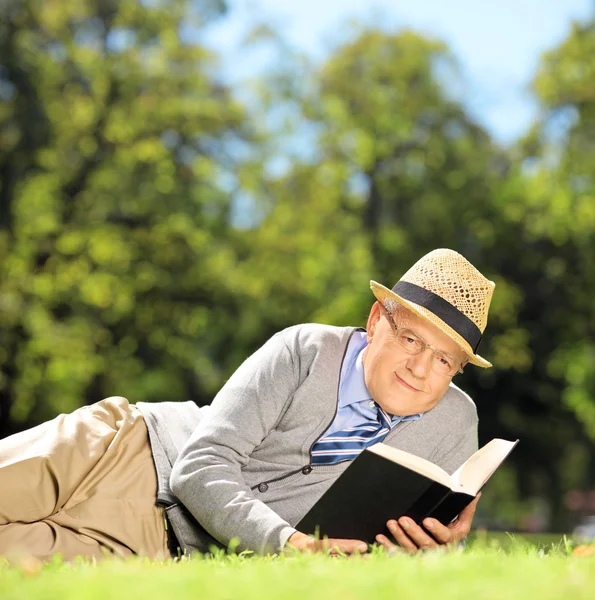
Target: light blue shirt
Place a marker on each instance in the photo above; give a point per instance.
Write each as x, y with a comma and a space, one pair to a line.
355, 401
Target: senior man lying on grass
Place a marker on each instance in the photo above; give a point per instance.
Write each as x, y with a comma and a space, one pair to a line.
155, 479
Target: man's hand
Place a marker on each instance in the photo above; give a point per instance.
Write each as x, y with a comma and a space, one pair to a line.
412, 537
304, 543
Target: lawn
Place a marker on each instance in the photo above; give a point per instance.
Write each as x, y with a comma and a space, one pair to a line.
484, 571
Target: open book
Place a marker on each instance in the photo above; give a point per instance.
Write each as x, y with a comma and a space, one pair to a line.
384, 483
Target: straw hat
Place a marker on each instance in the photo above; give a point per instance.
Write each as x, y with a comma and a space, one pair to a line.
445, 289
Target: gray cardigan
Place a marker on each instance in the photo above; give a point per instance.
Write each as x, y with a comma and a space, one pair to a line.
241, 467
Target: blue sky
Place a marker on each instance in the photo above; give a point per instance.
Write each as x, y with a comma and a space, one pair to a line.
497, 43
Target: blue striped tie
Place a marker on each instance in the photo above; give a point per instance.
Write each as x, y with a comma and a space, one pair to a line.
348, 443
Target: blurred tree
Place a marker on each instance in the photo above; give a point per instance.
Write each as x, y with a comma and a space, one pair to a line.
549, 202
401, 157
117, 157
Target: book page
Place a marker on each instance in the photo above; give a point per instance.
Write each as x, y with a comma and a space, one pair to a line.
471, 476
415, 463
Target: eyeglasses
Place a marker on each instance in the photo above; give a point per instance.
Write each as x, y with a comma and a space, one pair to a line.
441, 363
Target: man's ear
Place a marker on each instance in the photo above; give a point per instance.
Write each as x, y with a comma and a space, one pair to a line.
373, 318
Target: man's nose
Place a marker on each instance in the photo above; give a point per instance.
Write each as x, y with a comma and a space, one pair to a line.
421, 364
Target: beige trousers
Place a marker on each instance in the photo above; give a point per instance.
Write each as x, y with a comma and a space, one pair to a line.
83, 484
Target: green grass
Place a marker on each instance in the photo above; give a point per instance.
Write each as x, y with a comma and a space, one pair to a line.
486, 570
496, 539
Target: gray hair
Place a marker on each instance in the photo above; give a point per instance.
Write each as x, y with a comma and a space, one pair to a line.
391, 305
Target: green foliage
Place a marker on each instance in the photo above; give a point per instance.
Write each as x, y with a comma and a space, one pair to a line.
547, 204
114, 138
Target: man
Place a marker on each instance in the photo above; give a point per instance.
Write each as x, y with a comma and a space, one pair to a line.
274, 439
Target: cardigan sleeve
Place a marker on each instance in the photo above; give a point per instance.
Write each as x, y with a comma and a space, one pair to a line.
207, 475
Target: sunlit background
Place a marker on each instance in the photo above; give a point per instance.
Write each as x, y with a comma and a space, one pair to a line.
181, 179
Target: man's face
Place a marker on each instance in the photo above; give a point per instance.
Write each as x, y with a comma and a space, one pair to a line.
402, 383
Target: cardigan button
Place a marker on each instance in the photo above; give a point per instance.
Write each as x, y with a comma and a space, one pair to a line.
263, 487
307, 470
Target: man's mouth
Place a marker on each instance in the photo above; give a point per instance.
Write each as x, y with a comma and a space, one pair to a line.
405, 384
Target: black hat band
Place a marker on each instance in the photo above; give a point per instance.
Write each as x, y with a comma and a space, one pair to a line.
443, 309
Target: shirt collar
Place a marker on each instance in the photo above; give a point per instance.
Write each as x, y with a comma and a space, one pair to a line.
353, 385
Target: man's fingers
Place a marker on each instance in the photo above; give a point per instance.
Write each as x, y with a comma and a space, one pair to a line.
441, 533
305, 543
388, 545
401, 537
416, 534
339, 546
